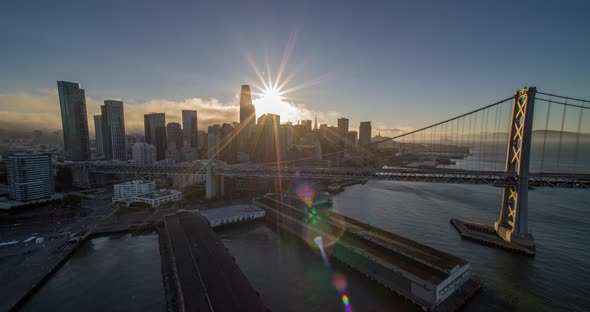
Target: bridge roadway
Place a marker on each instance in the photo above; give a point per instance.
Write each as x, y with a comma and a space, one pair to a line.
497, 178
208, 278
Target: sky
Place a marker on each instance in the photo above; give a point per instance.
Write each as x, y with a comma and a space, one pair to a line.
401, 65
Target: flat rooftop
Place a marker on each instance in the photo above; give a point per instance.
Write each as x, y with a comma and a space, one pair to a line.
425, 262
229, 211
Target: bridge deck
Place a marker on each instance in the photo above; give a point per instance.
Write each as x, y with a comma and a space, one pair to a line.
208, 277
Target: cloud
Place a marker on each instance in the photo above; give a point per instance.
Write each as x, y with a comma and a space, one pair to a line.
39, 110
27, 111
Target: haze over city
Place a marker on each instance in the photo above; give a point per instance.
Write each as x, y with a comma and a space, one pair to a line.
395, 57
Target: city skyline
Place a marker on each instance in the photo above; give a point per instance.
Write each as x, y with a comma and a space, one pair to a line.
330, 80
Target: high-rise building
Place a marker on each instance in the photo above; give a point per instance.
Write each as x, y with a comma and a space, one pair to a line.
213, 141
286, 139
113, 130
174, 134
267, 131
351, 139
307, 125
72, 102
316, 123
30, 176
155, 132
143, 153
202, 141
343, 131
98, 134
247, 110
228, 144
365, 134
190, 128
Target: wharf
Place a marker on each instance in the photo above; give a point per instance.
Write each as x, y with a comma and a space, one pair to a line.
484, 233
432, 279
205, 274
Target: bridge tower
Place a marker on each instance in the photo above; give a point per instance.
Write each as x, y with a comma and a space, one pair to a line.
512, 226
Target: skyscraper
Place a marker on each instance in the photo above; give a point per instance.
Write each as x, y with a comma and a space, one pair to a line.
113, 130
307, 125
342, 131
267, 134
30, 176
247, 110
213, 141
365, 134
155, 132
98, 134
351, 139
174, 133
72, 102
190, 127
228, 144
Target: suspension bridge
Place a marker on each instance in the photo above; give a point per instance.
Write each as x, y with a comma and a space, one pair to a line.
530, 139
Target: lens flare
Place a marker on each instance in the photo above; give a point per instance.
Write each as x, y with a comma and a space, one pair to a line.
306, 195
318, 241
339, 281
345, 299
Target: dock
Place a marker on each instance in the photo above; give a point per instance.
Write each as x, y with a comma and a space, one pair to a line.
204, 273
432, 279
486, 234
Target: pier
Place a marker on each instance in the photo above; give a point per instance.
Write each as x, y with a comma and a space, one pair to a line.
432, 279
204, 273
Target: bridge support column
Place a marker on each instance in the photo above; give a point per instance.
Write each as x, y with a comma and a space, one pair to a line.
511, 230
214, 184
512, 226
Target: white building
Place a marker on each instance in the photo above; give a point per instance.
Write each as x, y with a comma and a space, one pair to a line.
157, 198
143, 153
232, 214
126, 191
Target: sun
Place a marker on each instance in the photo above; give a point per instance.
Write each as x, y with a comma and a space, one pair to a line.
271, 101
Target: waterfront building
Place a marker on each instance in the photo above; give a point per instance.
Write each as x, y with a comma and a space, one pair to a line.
125, 191
157, 198
30, 176
72, 102
232, 214
113, 130
155, 132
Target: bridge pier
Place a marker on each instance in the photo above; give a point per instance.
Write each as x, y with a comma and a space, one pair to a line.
512, 225
214, 184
